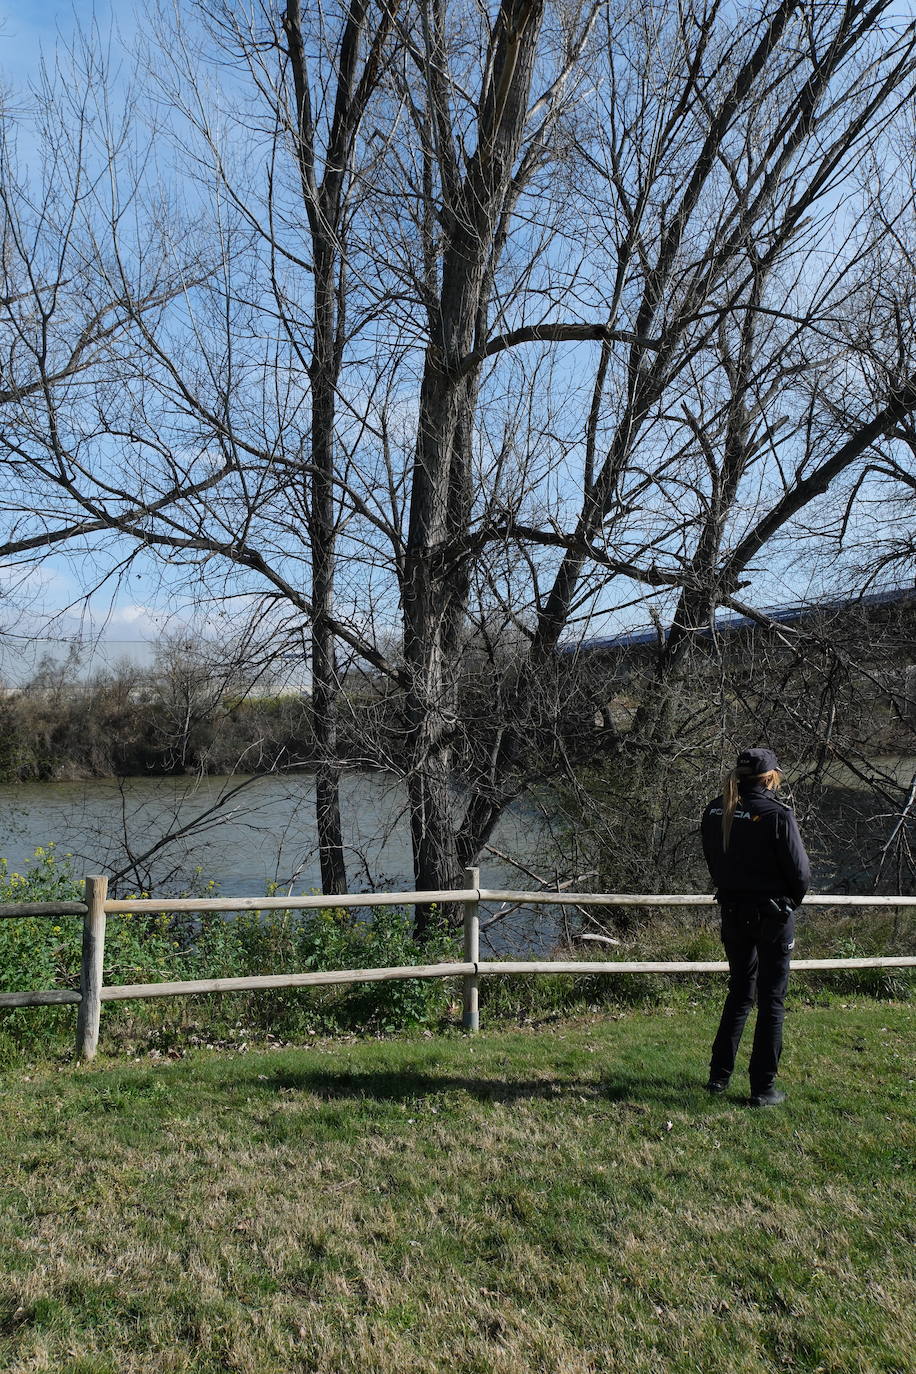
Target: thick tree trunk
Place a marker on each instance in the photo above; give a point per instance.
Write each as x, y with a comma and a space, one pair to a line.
429, 595
435, 575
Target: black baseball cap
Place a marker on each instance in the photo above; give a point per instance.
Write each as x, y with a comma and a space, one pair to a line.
755, 761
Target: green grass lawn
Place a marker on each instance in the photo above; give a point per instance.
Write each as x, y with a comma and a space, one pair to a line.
560, 1199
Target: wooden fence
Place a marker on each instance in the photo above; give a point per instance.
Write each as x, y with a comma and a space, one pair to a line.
98, 905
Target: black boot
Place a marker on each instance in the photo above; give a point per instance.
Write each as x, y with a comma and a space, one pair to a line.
770, 1097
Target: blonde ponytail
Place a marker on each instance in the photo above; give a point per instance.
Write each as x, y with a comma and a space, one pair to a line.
729, 802
769, 780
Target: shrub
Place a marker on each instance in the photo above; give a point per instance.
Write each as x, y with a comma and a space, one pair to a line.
38, 953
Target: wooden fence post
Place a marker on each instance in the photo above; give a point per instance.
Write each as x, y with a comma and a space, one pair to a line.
90, 1009
470, 1018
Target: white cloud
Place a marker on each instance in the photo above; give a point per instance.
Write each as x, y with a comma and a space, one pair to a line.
142, 620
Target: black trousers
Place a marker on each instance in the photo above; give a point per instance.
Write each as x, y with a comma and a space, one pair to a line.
758, 946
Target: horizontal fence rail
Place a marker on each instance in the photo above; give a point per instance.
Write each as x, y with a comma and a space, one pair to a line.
318, 901
98, 906
323, 978
50, 909
680, 966
52, 998
315, 901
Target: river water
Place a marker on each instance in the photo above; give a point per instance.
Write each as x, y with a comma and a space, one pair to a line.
247, 833
243, 833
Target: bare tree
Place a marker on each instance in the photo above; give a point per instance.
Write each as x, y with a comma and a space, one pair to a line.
327, 162
732, 271
66, 324
271, 465
514, 317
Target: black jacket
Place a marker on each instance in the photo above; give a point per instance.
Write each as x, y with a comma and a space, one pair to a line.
765, 855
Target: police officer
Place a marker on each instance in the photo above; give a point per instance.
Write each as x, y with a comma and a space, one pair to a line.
760, 870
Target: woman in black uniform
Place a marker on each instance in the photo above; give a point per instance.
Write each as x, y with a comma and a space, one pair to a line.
760, 870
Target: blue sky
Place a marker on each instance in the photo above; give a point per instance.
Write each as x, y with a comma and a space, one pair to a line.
27, 28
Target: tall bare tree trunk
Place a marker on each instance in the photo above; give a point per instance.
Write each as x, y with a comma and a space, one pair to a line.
325, 200
435, 580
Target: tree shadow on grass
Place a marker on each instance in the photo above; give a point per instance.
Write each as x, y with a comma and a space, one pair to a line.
413, 1085
636, 1090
